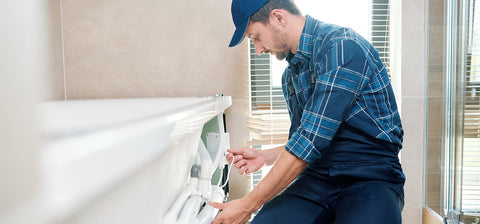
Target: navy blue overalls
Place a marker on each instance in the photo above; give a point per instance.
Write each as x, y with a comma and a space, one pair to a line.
357, 180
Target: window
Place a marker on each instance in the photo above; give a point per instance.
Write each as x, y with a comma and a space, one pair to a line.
453, 144
471, 142
268, 120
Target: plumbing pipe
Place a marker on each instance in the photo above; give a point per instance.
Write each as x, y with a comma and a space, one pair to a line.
187, 205
172, 214
191, 205
203, 152
208, 213
190, 209
205, 178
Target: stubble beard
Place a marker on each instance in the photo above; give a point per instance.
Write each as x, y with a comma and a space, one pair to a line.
280, 40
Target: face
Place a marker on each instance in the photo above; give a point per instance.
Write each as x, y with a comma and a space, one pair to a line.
268, 38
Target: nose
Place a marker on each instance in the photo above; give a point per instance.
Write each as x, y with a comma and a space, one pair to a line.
259, 49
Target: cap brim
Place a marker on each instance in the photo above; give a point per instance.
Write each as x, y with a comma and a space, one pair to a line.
239, 34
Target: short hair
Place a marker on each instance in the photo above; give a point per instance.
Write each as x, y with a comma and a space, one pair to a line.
262, 15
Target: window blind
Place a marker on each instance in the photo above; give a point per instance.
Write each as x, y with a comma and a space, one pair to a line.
471, 118
268, 120
380, 29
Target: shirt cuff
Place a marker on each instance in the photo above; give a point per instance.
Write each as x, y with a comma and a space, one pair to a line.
301, 147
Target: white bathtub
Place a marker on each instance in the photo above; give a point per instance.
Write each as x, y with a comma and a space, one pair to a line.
119, 160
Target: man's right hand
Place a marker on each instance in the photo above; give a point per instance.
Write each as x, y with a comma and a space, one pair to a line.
247, 160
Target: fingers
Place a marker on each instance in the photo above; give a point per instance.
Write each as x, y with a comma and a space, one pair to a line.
230, 158
235, 151
243, 170
240, 163
217, 205
241, 159
231, 212
240, 151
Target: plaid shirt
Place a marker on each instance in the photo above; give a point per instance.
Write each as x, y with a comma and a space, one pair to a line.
337, 79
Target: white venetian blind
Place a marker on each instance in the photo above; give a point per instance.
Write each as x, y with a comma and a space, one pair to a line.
471, 127
380, 29
268, 119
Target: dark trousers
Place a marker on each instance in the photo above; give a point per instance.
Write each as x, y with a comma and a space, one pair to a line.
368, 189
306, 201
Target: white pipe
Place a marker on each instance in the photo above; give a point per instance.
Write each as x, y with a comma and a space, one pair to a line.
188, 203
191, 205
190, 209
171, 216
205, 178
202, 150
208, 213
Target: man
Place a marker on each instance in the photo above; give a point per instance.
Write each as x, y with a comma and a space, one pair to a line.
345, 135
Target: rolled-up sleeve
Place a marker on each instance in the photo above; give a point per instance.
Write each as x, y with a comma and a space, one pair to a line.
339, 78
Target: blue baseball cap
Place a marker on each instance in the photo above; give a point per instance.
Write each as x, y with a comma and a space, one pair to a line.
241, 12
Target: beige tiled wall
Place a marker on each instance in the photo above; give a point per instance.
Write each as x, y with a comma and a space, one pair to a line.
413, 106
152, 48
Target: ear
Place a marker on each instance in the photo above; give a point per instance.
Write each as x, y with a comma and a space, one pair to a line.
278, 16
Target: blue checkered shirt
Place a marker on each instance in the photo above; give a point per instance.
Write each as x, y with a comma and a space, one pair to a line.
336, 79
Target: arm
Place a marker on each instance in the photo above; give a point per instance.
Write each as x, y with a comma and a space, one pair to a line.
285, 170
271, 155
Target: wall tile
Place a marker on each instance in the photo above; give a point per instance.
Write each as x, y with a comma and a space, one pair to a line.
413, 48
414, 82
412, 157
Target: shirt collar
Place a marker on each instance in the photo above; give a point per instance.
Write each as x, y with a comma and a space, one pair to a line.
304, 49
